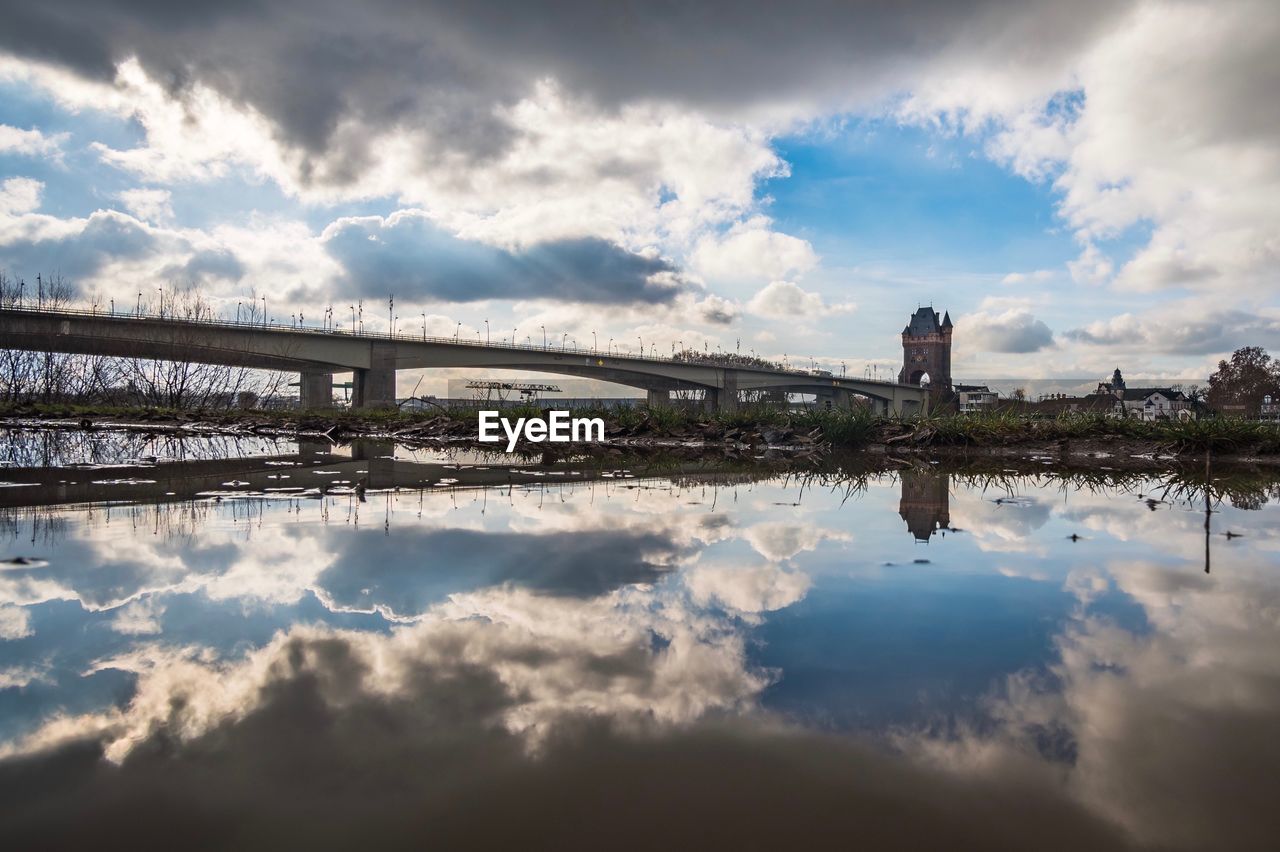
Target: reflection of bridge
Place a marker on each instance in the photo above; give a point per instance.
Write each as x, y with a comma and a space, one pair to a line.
374, 359
370, 464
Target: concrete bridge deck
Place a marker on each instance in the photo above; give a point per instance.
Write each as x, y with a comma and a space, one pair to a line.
373, 359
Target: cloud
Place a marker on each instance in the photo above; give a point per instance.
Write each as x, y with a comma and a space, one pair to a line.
752, 251
20, 195
328, 87
1183, 328
30, 143
781, 299
407, 254
717, 311
150, 205
1036, 277
1014, 331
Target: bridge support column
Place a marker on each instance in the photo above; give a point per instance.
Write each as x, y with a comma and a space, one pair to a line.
376, 386
659, 398
834, 399
724, 399
315, 390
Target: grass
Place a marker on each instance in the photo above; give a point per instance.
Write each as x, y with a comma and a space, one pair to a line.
851, 429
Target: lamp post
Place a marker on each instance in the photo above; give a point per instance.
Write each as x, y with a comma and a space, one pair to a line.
564, 341
138, 310
457, 332
544, 337
264, 311
424, 326
391, 306
486, 332
595, 344
353, 319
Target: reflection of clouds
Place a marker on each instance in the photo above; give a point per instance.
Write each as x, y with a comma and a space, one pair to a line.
780, 540
17, 677
551, 659
502, 720
15, 622
999, 527
1173, 732
400, 576
577, 549
138, 618
748, 589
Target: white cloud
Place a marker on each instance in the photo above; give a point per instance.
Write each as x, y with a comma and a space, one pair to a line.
782, 299
30, 143
752, 251
150, 205
20, 195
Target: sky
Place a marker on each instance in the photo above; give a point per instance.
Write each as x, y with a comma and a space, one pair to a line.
1082, 187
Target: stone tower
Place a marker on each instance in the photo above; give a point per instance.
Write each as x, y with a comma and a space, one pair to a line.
926, 349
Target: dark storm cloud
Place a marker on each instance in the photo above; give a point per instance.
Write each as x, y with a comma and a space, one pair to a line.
442, 67
408, 256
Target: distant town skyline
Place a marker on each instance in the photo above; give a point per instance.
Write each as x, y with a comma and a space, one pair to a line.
1080, 188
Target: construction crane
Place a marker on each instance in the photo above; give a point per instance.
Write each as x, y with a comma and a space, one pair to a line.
528, 390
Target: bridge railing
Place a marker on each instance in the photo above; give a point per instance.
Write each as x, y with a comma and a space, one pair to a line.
271, 325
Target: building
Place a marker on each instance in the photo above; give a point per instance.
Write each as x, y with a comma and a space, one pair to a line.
1154, 404
1270, 409
926, 350
1112, 387
975, 399
1145, 403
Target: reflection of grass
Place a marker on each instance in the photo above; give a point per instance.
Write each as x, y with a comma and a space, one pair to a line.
850, 428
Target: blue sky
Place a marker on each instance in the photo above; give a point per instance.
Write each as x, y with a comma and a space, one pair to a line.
1077, 200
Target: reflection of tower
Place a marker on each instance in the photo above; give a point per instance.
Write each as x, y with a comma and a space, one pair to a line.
926, 349
926, 502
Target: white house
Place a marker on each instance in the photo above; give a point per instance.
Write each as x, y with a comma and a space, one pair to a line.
1154, 404
976, 398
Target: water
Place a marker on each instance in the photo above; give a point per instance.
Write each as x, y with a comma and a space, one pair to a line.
245, 642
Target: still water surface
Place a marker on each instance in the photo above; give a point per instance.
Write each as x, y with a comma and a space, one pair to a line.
232, 643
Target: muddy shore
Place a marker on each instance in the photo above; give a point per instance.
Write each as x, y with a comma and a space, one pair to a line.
890, 444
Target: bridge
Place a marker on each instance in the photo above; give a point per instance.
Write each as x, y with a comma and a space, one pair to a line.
373, 359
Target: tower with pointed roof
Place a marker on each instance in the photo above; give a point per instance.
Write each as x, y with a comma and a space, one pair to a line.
926, 349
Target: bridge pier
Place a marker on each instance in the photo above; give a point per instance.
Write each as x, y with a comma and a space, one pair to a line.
836, 398
375, 387
724, 399
658, 398
315, 390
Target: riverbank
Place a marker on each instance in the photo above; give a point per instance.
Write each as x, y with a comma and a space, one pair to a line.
748, 433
